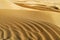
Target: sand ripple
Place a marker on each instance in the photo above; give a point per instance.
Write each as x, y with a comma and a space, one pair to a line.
26, 29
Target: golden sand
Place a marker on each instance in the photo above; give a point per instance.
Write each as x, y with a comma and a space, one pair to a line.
27, 25
39, 7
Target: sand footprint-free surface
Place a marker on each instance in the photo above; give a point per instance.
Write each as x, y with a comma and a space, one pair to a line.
19, 26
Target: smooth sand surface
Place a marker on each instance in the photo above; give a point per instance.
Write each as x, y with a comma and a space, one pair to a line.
28, 25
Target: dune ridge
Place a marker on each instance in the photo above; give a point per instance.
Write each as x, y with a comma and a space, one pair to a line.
39, 7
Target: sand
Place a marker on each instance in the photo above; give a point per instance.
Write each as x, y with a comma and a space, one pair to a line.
28, 25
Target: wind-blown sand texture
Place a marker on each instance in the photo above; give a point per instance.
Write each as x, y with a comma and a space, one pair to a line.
18, 25
39, 7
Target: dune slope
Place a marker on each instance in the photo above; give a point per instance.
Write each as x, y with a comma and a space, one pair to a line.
19, 25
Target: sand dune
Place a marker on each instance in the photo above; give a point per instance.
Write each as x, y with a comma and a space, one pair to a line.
39, 7
19, 25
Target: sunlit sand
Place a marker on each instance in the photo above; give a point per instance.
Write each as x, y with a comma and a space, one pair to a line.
27, 25
39, 7
20, 21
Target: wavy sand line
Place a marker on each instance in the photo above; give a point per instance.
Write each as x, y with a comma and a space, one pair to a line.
29, 30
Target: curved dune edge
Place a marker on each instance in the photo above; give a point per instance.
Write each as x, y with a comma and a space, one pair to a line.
20, 28
39, 7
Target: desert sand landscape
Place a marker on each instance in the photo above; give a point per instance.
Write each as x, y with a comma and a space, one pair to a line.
26, 22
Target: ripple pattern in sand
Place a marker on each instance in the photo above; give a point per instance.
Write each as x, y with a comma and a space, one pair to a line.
26, 29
